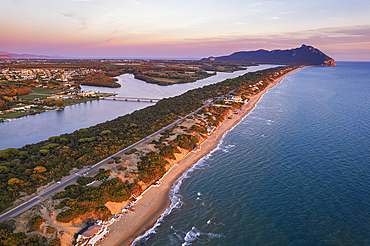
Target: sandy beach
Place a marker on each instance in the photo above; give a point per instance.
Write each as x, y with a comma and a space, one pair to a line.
156, 200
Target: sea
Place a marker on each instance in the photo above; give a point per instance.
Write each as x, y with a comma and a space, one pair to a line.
294, 171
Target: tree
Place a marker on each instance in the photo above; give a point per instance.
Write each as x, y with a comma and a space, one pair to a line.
59, 103
56, 242
36, 222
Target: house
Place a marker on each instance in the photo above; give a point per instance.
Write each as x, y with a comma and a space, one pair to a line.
236, 99
93, 230
86, 94
210, 129
92, 235
58, 97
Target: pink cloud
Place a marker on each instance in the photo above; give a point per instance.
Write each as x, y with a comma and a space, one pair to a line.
341, 43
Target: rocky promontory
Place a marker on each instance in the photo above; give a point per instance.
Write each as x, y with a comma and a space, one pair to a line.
304, 55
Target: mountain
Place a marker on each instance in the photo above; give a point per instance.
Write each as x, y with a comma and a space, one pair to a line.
4, 54
304, 55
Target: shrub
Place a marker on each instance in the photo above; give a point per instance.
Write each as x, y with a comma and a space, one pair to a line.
36, 222
122, 168
131, 151
85, 180
56, 242
50, 230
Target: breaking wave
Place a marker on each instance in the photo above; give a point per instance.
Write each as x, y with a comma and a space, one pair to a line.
174, 193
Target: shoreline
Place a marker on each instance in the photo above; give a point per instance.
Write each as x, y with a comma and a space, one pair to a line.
27, 113
157, 200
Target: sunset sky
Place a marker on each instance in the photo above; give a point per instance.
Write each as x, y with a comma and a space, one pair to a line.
183, 29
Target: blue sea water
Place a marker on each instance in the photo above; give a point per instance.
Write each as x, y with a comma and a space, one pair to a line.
295, 171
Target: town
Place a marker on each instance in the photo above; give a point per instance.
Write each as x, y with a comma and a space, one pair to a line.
34, 86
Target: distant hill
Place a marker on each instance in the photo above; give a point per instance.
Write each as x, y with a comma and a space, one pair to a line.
4, 54
304, 55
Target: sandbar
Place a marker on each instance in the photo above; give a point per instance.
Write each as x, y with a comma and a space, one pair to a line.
156, 200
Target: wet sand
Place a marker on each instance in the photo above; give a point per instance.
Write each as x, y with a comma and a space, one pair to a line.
156, 200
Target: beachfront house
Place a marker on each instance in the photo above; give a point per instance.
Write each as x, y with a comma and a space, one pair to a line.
92, 235
210, 129
91, 231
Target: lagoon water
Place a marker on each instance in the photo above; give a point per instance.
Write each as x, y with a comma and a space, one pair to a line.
295, 171
35, 128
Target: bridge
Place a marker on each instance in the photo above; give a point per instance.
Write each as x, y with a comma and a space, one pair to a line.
135, 99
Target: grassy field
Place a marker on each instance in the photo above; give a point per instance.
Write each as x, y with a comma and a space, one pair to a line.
27, 97
174, 81
18, 114
44, 91
67, 102
176, 77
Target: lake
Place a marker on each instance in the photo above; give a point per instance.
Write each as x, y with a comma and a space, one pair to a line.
36, 128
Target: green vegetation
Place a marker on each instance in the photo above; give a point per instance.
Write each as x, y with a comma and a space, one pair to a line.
197, 128
186, 141
83, 200
31, 97
151, 167
36, 223
98, 80
65, 77
169, 151
105, 132
103, 174
122, 168
46, 91
39, 108
85, 180
56, 242
164, 76
50, 230
131, 151
60, 155
7, 237
167, 133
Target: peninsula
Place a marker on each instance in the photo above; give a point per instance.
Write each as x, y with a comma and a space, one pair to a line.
304, 55
201, 116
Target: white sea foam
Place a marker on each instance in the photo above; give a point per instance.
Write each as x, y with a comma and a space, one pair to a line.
174, 194
226, 148
210, 222
175, 198
257, 118
213, 235
191, 235
194, 234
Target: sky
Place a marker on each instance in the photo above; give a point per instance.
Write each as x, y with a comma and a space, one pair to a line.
183, 29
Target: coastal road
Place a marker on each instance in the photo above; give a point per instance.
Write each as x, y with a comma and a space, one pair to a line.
71, 178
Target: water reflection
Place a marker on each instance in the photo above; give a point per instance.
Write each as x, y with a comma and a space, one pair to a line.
35, 128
